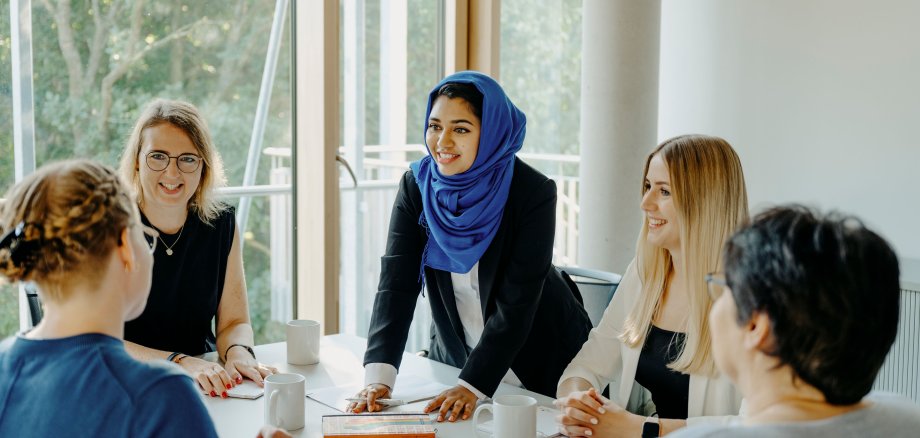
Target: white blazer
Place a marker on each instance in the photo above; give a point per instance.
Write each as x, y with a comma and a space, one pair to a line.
605, 359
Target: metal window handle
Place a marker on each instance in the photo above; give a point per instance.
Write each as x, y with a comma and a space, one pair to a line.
344, 162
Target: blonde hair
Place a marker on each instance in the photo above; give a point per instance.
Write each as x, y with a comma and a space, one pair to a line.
186, 117
708, 189
61, 222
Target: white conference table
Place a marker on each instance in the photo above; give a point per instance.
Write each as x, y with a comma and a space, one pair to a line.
341, 359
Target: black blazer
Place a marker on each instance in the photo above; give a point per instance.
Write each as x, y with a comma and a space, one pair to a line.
534, 320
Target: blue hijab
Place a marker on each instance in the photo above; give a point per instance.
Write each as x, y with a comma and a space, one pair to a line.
462, 212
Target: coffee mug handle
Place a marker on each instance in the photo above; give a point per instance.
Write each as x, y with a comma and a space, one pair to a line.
476, 417
273, 408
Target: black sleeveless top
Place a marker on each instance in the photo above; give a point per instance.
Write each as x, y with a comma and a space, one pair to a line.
670, 389
186, 287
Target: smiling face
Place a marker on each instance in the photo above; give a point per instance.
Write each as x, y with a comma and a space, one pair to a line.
169, 187
453, 135
658, 204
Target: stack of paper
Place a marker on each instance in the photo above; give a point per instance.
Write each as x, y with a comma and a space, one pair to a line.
378, 425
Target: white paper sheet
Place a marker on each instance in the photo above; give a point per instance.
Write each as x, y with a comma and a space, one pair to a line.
411, 388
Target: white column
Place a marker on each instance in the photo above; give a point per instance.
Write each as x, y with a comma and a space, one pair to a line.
619, 115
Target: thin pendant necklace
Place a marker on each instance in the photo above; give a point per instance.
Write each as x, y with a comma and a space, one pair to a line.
169, 248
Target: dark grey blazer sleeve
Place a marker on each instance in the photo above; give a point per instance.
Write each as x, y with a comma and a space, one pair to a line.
517, 296
400, 280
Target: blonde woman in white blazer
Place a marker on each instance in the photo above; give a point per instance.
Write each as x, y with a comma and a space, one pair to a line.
655, 330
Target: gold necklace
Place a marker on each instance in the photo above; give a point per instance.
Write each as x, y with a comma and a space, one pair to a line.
169, 248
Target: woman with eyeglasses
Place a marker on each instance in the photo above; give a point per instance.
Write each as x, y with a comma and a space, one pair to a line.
654, 333
73, 230
174, 168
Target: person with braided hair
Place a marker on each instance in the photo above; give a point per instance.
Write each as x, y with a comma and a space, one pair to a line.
172, 165
73, 230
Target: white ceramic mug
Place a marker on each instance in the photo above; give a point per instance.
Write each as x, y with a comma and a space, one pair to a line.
513, 416
302, 342
284, 401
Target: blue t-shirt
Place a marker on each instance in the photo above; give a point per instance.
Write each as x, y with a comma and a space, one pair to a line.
87, 385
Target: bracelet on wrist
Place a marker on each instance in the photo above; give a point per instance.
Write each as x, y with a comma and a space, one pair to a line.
248, 348
172, 356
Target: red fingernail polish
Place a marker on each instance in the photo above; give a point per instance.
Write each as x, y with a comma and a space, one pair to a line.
213, 394
223, 394
239, 380
229, 386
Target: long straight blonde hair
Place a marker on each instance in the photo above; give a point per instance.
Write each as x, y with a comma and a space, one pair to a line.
707, 185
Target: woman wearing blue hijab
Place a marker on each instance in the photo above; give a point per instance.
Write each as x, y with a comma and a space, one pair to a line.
474, 224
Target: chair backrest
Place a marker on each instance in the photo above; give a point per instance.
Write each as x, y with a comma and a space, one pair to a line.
899, 372
35, 305
596, 288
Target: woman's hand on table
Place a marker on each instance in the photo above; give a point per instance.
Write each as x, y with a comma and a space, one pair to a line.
211, 377
589, 414
241, 364
456, 403
370, 394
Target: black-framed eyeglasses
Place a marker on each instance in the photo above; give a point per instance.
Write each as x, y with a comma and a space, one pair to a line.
187, 163
151, 236
716, 284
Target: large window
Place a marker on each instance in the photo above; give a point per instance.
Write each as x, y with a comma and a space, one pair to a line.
391, 58
97, 63
9, 303
540, 60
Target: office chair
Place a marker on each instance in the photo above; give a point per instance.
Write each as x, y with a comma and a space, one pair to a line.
35, 305
596, 288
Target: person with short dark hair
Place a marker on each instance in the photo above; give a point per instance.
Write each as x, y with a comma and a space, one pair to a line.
803, 319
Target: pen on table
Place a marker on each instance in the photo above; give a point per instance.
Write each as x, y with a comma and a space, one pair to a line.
388, 402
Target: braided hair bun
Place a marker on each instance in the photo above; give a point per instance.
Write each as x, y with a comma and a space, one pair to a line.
61, 221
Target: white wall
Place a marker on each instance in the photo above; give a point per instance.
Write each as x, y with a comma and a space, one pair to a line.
821, 99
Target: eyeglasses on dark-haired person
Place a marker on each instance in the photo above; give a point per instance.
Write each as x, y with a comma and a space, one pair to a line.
187, 163
716, 284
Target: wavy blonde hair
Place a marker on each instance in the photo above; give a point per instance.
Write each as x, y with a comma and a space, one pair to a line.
186, 117
709, 195
72, 215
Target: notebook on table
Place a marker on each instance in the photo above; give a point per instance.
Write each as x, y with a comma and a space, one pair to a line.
378, 425
248, 390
